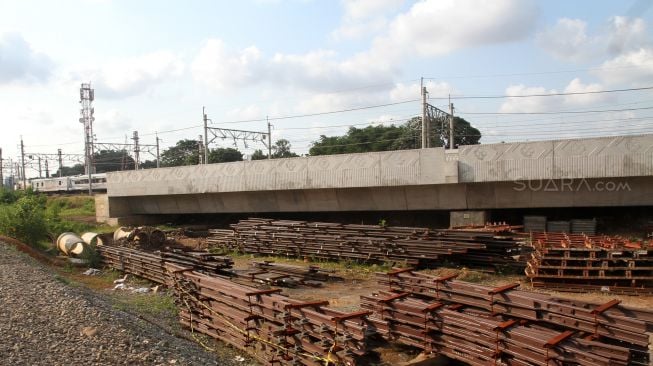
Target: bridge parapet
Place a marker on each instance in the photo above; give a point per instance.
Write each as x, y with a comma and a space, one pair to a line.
603, 157
379, 169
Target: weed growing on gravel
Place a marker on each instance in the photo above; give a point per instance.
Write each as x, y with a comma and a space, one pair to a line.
63, 280
155, 305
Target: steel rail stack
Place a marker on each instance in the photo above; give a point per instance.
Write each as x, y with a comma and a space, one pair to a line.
150, 265
369, 243
481, 325
303, 274
269, 326
574, 262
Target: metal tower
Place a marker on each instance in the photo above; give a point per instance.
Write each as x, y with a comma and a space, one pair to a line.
86, 97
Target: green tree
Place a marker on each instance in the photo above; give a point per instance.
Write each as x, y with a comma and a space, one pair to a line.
112, 160
148, 164
402, 137
258, 155
224, 155
76, 169
185, 152
281, 149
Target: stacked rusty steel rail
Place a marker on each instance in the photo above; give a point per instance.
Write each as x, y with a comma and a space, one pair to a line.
576, 262
150, 265
266, 324
371, 243
310, 273
481, 325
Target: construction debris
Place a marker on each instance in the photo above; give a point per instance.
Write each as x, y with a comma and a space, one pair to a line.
269, 326
371, 243
145, 237
481, 325
571, 262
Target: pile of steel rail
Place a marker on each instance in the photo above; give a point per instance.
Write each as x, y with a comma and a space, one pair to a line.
150, 265
300, 273
575, 262
267, 325
201, 261
481, 325
369, 243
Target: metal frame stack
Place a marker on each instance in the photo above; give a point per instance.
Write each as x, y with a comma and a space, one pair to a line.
482, 325
269, 326
570, 262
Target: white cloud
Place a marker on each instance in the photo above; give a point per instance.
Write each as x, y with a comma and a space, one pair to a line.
553, 103
403, 91
252, 111
219, 67
320, 70
569, 40
426, 29
127, 77
109, 121
626, 34
632, 68
438, 27
566, 40
20, 63
364, 17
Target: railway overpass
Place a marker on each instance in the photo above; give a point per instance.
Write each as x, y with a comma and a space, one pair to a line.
591, 172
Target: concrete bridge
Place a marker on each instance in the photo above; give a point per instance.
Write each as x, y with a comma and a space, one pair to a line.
594, 172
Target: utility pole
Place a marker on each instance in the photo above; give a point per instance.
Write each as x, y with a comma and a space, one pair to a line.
451, 140
2, 178
157, 151
206, 137
201, 150
269, 138
136, 151
60, 163
22, 162
47, 170
425, 127
40, 171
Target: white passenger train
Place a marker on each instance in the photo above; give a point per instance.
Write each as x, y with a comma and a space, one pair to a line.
77, 183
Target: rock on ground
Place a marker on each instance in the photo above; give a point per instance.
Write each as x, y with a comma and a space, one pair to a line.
44, 321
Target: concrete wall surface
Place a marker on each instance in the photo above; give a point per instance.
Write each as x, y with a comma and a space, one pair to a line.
379, 169
622, 156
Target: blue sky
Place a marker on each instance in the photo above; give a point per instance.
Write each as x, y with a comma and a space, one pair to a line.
154, 64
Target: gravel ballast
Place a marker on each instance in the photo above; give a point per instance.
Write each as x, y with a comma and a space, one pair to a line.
44, 321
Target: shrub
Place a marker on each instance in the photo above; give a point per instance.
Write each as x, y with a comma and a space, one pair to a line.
25, 219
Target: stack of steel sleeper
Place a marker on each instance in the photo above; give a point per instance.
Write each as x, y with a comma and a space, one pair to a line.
269, 326
150, 265
201, 261
310, 273
372, 243
482, 325
581, 262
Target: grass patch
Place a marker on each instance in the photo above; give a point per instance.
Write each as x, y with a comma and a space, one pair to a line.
73, 205
159, 305
63, 280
